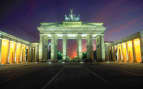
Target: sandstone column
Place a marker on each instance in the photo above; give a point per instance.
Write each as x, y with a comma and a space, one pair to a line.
54, 47
0, 48
37, 52
134, 55
15, 52
79, 47
29, 53
45, 49
5, 51
12, 52
127, 53
41, 48
89, 47
64, 47
141, 44
100, 48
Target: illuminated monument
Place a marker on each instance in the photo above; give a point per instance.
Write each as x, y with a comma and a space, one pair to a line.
71, 28
14, 50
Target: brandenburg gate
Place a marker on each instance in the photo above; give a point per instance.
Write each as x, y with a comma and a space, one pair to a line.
71, 28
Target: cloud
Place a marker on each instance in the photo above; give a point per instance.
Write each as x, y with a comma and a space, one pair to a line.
125, 27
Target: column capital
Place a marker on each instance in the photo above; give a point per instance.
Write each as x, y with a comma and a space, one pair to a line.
45, 37
65, 36
79, 35
41, 35
54, 35
98, 35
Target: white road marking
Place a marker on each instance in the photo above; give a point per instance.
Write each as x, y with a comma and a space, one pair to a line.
52, 79
98, 76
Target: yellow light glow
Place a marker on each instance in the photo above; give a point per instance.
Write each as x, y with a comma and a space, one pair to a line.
28, 52
18, 52
115, 47
115, 50
5, 48
12, 52
137, 50
130, 51
119, 52
23, 53
124, 52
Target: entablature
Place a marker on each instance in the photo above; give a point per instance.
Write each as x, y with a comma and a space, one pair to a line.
71, 29
4, 35
69, 36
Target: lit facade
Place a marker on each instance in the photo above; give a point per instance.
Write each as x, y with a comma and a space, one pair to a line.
13, 50
71, 28
126, 50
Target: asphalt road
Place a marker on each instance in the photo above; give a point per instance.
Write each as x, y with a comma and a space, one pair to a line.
71, 76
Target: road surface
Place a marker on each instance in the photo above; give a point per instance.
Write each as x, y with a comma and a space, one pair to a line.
71, 76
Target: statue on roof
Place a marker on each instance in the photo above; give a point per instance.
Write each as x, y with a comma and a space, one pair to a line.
66, 18
72, 17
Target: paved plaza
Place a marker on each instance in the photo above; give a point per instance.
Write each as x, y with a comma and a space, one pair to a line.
69, 76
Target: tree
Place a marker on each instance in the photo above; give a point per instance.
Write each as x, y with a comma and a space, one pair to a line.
84, 56
59, 56
95, 55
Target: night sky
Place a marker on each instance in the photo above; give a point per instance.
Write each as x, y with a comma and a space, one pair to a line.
120, 17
